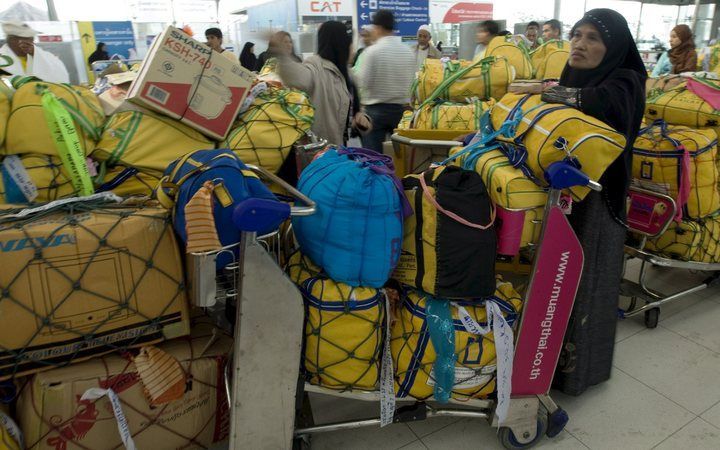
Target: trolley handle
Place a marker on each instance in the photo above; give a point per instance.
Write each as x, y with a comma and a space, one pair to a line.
424, 142
310, 207
563, 175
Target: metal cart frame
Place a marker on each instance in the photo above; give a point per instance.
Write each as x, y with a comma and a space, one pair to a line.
641, 289
269, 332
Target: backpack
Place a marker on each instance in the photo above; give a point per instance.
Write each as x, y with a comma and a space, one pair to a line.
504, 47
449, 243
356, 233
234, 182
680, 162
146, 141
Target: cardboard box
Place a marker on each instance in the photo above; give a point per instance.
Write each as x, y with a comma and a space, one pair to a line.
52, 416
187, 80
78, 284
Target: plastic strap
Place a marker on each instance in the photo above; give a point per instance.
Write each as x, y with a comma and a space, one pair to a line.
452, 215
445, 84
67, 142
442, 336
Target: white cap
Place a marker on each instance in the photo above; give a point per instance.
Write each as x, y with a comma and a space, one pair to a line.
425, 28
19, 29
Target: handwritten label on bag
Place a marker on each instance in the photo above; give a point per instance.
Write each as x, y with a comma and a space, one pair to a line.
387, 380
123, 428
504, 337
16, 170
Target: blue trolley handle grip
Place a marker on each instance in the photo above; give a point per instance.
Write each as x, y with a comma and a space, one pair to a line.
563, 175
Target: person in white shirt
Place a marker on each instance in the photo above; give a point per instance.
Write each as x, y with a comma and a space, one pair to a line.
27, 59
424, 48
385, 76
214, 39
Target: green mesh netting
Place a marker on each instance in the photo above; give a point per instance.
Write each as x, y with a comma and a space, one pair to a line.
690, 240
48, 175
81, 279
266, 132
344, 329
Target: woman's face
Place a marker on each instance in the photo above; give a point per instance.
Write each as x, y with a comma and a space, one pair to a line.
252, 49
483, 36
287, 44
674, 39
587, 49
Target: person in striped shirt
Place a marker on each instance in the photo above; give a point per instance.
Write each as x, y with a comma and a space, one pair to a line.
384, 78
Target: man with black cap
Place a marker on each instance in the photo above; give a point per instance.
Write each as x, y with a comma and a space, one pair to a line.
27, 59
384, 79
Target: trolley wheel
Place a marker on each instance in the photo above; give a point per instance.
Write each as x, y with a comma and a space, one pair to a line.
301, 443
557, 422
510, 442
651, 318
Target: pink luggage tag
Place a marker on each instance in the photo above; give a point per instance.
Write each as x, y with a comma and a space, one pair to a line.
566, 203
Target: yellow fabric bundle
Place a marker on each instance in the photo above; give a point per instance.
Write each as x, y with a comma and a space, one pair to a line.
550, 133
549, 59
343, 329
446, 116
457, 81
680, 106
266, 132
690, 240
27, 129
657, 165
413, 353
504, 47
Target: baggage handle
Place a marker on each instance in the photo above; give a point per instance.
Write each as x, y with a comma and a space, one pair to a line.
308, 210
562, 175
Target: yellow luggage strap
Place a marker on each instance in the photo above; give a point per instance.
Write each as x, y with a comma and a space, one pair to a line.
68, 144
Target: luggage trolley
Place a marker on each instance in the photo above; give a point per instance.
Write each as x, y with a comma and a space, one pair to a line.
649, 216
265, 394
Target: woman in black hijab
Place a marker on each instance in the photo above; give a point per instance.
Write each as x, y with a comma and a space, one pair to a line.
100, 54
604, 78
247, 58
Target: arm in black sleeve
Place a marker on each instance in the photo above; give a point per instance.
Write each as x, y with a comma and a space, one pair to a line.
613, 99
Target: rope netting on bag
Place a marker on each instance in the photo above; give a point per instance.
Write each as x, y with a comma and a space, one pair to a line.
414, 356
343, 329
265, 133
690, 240
197, 420
85, 278
46, 173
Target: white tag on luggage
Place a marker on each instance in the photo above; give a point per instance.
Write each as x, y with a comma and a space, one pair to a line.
123, 428
387, 379
14, 167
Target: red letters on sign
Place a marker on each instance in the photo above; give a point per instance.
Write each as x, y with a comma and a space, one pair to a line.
326, 6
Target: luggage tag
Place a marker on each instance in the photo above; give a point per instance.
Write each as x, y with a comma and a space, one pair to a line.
122, 423
504, 338
23, 185
566, 203
387, 378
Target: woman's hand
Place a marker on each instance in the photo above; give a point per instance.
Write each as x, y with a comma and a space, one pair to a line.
362, 122
562, 95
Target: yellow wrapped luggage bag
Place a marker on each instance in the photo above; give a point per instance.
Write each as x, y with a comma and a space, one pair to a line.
147, 141
45, 172
690, 240
680, 106
457, 81
549, 59
344, 328
414, 355
542, 133
658, 156
5, 101
266, 132
27, 109
446, 116
517, 56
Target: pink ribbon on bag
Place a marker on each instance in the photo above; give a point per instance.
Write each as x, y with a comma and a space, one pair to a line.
452, 215
684, 184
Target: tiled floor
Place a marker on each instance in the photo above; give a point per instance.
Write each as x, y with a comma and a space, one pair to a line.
664, 392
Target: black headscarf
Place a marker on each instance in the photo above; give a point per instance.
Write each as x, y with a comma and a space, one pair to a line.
334, 43
247, 58
614, 92
99, 54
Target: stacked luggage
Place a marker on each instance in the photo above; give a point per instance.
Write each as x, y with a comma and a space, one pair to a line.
676, 154
96, 215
